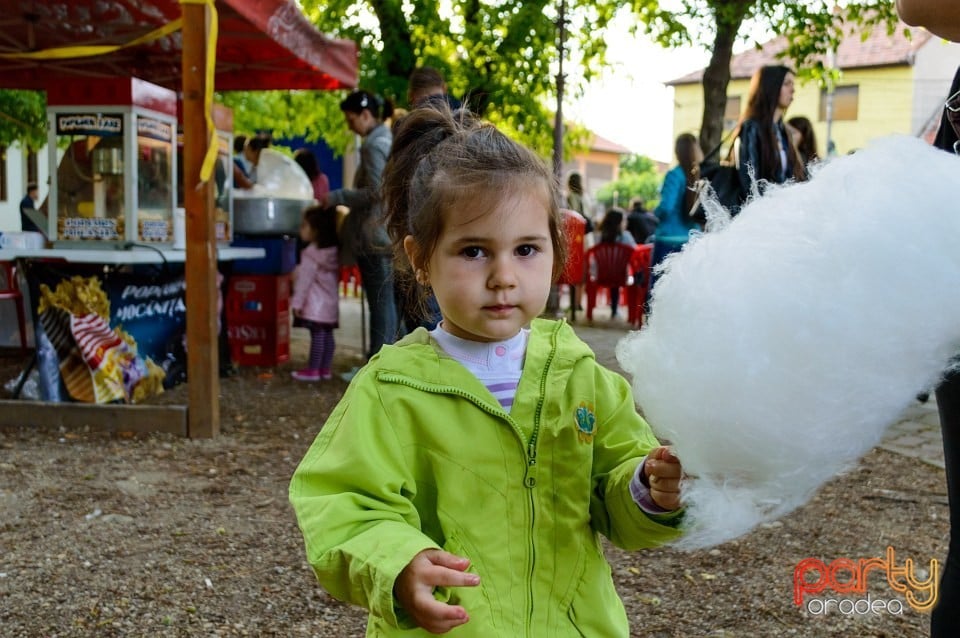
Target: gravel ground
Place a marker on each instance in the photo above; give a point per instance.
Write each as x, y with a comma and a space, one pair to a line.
116, 535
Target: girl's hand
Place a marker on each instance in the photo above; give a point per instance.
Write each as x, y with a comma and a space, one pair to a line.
414, 589
663, 474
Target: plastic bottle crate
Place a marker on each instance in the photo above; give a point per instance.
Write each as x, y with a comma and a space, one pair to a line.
257, 298
260, 343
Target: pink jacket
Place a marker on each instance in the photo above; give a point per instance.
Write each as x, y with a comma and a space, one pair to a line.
315, 281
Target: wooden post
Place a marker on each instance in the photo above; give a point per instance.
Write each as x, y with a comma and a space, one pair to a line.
203, 382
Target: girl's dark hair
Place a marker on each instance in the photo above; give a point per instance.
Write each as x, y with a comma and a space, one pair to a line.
764, 95
575, 183
359, 101
762, 102
424, 79
238, 143
323, 221
687, 149
611, 226
441, 161
808, 139
308, 162
258, 143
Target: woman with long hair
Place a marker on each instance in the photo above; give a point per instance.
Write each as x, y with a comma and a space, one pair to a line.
765, 150
678, 194
364, 232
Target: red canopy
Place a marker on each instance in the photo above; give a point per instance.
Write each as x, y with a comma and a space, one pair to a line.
262, 44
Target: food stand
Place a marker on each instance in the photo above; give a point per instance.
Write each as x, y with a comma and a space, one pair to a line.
264, 45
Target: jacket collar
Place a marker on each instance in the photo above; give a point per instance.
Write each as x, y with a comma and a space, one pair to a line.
418, 355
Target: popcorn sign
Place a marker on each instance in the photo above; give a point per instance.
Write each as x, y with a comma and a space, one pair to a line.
89, 228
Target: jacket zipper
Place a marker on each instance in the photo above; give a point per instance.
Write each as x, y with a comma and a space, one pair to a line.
530, 479
529, 476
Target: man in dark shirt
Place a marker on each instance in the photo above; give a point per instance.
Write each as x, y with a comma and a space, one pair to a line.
640, 222
427, 86
29, 202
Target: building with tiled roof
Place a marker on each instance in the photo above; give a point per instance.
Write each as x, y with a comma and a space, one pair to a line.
888, 84
599, 164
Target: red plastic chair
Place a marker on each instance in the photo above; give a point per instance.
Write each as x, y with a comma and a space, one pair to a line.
574, 229
11, 292
609, 267
640, 264
350, 274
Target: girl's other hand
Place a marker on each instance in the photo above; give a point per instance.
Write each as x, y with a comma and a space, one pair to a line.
414, 589
663, 472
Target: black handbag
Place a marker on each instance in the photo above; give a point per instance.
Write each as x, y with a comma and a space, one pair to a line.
722, 178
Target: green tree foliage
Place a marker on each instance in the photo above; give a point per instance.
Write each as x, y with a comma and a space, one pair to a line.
812, 28
503, 54
500, 55
638, 178
23, 118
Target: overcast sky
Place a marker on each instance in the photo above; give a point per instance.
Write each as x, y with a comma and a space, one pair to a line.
630, 105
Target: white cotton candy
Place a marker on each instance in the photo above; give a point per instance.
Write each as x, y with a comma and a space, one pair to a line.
780, 347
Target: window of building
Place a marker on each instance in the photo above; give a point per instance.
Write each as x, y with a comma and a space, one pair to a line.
599, 172
846, 101
33, 165
731, 114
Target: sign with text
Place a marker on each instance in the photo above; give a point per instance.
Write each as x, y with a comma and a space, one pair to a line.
108, 335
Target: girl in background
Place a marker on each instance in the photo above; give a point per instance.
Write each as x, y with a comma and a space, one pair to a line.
308, 162
678, 194
613, 230
466, 475
315, 301
764, 147
805, 139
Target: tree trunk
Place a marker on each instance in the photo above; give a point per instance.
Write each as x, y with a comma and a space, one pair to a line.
397, 44
729, 16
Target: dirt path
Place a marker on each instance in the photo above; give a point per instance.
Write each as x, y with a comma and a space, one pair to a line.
102, 535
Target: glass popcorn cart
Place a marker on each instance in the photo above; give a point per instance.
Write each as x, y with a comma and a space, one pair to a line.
113, 163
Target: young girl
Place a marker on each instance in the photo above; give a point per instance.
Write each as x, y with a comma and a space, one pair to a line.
613, 230
464, 478
315, 302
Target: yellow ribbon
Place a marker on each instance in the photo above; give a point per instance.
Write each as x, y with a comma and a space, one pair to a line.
210, 159
61, 53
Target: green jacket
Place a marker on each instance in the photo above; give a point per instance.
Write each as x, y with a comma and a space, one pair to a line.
418, 455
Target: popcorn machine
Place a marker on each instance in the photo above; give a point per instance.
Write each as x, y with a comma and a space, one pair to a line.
113, 162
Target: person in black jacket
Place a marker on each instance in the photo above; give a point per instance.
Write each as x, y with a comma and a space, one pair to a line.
945, 619
943, 19
765, 149
640, 222
29, 203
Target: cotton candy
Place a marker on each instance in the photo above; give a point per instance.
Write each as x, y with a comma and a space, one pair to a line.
781, 346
